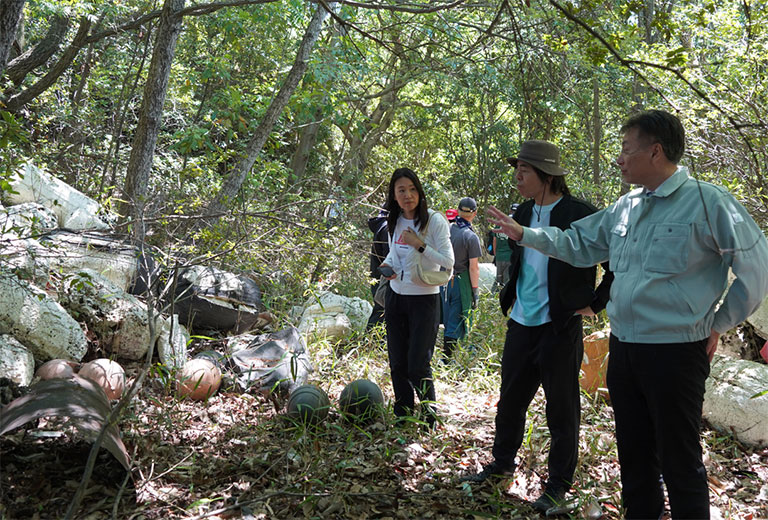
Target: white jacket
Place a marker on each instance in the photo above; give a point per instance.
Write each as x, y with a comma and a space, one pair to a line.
437, 254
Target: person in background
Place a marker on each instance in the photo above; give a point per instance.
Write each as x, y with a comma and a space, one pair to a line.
671, 243
416, 234
451, 214
544, 342
503, 254
460, 295
379, 250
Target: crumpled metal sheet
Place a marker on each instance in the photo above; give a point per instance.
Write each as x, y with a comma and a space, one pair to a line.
273, 362
77, 398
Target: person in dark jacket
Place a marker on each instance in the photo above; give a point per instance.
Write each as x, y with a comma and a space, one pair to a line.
544, 344
379, 251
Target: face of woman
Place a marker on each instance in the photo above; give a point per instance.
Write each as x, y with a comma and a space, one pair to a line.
528, 183
407, 196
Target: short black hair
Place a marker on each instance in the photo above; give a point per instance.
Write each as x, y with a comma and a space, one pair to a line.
660, 127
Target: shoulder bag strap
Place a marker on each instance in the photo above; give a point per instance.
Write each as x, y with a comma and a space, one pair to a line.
426, 226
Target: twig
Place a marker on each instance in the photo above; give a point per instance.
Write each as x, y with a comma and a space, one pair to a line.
119, 495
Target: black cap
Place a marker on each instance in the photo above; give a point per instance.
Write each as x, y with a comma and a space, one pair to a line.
467, 204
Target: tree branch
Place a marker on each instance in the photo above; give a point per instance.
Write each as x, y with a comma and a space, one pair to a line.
630, 64
402, 8
27, 95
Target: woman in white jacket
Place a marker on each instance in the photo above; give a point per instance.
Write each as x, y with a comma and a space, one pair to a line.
412, 310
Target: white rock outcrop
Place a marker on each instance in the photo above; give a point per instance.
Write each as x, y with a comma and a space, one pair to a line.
759, 319
38, 321
115, 260
27, 219
119, 319
26, 258
73, 209
730, 404
334, 316
16, 362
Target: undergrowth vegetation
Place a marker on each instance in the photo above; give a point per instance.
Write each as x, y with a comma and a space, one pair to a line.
239, 456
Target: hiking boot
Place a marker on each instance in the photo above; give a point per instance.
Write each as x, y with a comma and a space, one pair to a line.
552, 497
494, 469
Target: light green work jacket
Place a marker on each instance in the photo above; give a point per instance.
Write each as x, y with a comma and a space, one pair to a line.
670, 251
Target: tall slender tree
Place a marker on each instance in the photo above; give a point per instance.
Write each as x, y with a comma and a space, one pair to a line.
235, 178
150, 118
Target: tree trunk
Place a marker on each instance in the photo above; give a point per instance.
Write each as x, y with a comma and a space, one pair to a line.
19, 67
150, 115
597, 131
126, 94
234, 180
361, 145
645, 24
10, 16
307, 141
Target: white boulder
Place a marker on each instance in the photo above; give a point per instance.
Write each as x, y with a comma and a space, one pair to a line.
16, 362
27, 219
27, 258
116, 260
332, 326
38, 322
63, 251
172, 343
119, 320
730, 404
73, 209
334, 316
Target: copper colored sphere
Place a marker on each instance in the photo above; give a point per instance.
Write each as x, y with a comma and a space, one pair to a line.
199, 379
107, 374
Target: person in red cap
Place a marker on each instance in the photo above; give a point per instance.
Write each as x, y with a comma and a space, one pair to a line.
451, 214
546, 299
460, 294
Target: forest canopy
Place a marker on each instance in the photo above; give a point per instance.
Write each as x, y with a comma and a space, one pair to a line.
233, 129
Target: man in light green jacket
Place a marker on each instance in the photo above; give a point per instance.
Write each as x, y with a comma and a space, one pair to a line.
670, 244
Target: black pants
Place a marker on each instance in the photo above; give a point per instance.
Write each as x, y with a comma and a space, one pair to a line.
543, 356
657, 391
412, 323
377, 314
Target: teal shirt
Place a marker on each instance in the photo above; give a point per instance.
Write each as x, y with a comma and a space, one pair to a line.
531, 306
670, 251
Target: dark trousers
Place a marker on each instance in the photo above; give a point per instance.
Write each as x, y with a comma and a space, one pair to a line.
543, 356
657, 392
412, 323
454, 317
377, 314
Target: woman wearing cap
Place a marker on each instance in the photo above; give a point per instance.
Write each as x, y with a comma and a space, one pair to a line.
412, 315
544, 344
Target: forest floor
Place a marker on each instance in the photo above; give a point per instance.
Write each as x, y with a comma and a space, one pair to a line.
236, 456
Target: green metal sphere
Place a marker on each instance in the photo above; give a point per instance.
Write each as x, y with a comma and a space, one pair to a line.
308, 404
361, 400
